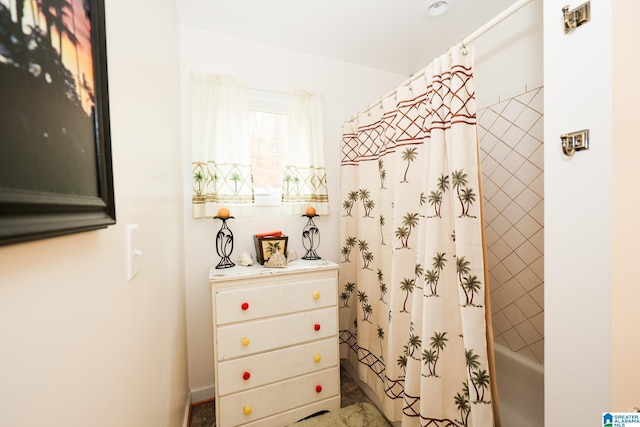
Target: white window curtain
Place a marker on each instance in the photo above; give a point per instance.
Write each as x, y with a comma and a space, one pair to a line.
221, 164
305, 179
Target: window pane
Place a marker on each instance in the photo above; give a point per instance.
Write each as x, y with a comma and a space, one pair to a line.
267, 133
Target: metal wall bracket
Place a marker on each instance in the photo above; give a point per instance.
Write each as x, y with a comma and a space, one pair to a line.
576, 17
575, 141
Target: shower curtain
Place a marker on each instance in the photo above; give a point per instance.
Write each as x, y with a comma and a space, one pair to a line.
412, 278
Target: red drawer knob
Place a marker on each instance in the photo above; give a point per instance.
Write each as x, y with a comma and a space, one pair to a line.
316, 326
246, 376
245, 306
318, 388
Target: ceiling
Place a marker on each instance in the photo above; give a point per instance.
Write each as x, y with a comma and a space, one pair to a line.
390, 35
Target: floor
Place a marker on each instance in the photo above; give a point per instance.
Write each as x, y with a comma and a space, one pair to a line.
204, 415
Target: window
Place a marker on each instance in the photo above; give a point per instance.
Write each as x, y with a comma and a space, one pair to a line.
282, 142
268, 127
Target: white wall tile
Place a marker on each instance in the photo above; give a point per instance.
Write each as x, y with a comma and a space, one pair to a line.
528, 253
488, 165
500, 200
538, 295
525, 98
489, 188
500, 224
514, 314
512, 110
538, 267
526, 352
537, 102
528, 172
500, 106
528, 306
514, 340
488, 141
538, 184
538, 240
501, 249
537, 130
528, 332
500, 126
528, 226
501, 323
513, 213
528, 279
527, 199
487, 118
527, 119
538, 350
513, 136
514, 290
514, 264
513, 187
513, 238
502, 298
513, 162
501, 274
527, 146
538, 322
511, 143
499, 152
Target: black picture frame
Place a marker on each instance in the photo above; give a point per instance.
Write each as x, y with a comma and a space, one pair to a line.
56, 175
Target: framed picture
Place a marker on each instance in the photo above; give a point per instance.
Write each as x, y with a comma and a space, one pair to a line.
55, 144
267, 246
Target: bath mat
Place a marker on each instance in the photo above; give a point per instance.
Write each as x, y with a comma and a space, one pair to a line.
356, 415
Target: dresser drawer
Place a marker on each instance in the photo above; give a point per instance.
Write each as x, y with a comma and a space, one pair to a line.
261, 402
248, 303
265, 368
243, 339
289, 417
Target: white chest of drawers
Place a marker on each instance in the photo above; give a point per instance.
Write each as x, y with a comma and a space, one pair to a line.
275, 334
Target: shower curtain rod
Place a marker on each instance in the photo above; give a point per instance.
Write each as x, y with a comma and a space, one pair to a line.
465, 41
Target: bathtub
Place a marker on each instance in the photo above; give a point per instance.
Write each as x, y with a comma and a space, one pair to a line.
520, 389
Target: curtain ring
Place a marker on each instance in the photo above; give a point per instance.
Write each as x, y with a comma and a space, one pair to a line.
464, 50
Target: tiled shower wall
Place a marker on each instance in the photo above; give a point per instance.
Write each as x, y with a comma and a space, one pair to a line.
511, 144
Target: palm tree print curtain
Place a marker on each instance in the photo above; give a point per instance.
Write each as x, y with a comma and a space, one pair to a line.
412, 297
221, 156
304, 181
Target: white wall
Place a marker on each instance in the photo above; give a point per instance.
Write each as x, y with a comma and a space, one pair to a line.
578, 220
79, 344
625, 347
509, 57
347, 89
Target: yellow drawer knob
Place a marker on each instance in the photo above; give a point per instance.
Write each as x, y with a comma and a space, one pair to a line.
247, 410
317, 358
245, 342
316, 295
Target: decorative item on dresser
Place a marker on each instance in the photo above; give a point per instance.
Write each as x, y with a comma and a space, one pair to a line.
269, 244
310, 235
224, 240
275, 331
